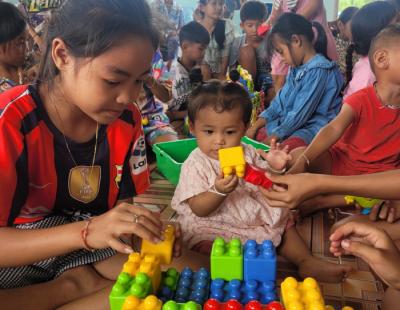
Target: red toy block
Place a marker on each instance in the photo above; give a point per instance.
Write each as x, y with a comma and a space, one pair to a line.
213, 304
263, 29
257, 177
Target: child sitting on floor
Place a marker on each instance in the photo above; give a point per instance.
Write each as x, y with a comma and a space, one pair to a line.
363, 31
364, 138
311, 96
250, 50
193, 39
12, 46
209, 205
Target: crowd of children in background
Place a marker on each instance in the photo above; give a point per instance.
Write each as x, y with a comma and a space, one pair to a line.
331, 102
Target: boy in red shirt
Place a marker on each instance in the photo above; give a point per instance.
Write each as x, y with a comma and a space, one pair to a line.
365, 136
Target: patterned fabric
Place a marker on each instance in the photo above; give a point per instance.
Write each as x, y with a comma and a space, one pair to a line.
51, 268
291, 4
243, 214
173, 14
341, 47
6, 84
213, 56
38, 177
181, 86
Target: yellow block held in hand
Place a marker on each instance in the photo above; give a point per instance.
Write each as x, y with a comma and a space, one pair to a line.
164, 250
232, 161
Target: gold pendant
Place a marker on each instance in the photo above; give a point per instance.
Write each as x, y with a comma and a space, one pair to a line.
84, 183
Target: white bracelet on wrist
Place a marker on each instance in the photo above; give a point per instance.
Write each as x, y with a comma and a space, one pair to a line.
269, 168
215, 191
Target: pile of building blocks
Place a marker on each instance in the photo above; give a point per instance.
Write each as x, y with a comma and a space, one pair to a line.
232, 161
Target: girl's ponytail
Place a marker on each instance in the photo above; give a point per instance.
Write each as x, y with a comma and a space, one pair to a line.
219, 33
321, 40
349, 63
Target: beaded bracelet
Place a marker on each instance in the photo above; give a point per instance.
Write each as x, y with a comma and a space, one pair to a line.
84, 234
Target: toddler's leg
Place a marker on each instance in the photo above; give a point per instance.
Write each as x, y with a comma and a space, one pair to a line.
294, 249
321, 202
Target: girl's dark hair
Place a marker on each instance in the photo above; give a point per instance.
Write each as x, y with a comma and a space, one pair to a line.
290, 24
367, 23
12, 23
347, 14
219, 29
349, 64
89, 28
221, 96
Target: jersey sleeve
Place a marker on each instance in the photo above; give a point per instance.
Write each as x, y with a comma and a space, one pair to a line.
127, 186
13, 168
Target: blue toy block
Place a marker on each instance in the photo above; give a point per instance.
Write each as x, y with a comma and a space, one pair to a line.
259, 261
193, 286
243, 291
169, 282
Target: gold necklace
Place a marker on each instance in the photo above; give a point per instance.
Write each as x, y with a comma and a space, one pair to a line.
66, 142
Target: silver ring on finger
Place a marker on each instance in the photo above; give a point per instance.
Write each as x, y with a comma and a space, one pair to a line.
136, 218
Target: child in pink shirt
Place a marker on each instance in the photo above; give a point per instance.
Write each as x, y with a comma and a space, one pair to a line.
363, 31
209, 205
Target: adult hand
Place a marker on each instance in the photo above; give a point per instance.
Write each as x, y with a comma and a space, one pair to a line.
290, 190
372, 245
387, 211
125, 219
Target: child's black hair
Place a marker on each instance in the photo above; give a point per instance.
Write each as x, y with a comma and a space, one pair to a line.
347, 14
219, 30
290, 24
365, 25
253, 10
194, 32
12, 23
368, 22
387, 38
221, 96
91, 27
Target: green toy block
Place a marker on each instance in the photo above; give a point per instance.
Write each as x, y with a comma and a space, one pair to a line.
126, 285
172, 305
227, 260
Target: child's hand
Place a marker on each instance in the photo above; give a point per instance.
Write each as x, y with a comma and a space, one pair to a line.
251, 132
372, 245
226, 185
388, 211
277, 157
125, 219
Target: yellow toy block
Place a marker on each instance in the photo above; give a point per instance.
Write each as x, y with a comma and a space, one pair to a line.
149, 264
163, 250
232, 161
304, 295
151, 302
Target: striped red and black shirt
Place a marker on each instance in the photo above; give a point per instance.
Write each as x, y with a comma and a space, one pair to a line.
36, 168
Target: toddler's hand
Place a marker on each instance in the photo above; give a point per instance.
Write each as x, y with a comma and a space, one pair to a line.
277, 157
388, 211
226, 185
372, 245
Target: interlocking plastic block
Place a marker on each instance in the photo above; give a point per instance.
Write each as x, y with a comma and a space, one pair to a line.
193, 286
149, 264
227, 260
213, 304
365, 203
149, 303
172, 305
244, 292
164, 249
169, 283
257, 177
259, 261
126, 285
232, 161
301, 295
